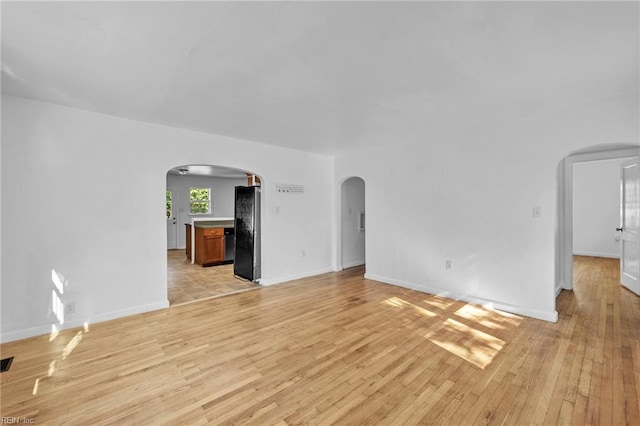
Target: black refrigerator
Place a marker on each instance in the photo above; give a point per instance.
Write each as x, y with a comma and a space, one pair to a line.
247, 233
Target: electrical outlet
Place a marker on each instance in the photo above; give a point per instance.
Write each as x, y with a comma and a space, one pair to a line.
70, 308
448, 264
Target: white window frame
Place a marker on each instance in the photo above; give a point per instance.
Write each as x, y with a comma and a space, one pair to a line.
208, 201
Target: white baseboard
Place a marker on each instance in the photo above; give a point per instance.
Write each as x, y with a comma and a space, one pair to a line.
532, 313
79, 322
597, 254
279, 280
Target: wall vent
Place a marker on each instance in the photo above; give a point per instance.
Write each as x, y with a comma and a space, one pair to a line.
289, 188
6, 364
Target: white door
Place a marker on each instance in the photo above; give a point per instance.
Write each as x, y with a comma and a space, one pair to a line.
172, 223
630, 225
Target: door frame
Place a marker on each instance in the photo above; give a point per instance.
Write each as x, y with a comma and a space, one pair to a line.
565, 210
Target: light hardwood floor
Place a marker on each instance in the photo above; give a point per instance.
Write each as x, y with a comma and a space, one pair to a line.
341, 349
187, 282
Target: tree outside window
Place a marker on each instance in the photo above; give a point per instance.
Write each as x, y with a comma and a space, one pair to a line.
200, 200
169, 204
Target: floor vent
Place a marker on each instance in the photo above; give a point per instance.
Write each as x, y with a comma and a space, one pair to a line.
6, 364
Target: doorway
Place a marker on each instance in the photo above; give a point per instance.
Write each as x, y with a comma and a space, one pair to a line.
596, 220
596, 208
353, 224
565, 253
205, 195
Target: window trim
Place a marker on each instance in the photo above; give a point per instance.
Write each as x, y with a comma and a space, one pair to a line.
208, 201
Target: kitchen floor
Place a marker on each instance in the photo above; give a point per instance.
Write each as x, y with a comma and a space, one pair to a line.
187, 282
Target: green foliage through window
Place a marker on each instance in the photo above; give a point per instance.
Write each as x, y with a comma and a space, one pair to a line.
169, 204
199, 200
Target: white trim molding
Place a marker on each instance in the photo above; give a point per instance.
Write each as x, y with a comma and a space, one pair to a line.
74, 323
280, 280
551, 316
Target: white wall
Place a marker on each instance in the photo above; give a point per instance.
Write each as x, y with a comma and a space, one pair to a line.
222, 198
353, 240
468, 197
596, 208
67, 206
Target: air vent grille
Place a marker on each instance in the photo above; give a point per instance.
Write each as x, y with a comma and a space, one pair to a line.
289, 188
6, 364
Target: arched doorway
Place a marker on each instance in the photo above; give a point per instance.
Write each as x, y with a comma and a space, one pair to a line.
353, 223
565, 246
197, 197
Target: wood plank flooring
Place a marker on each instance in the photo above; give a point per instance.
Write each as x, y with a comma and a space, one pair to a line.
339, 349
187, 282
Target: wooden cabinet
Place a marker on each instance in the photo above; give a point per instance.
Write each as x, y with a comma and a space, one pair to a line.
209, 246
213, 249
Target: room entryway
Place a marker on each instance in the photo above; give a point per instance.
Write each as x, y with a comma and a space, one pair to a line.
583, 199
201, 233
353, 223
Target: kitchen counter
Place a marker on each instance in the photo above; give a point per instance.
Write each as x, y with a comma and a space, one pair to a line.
216, 224
213, 222
204, 223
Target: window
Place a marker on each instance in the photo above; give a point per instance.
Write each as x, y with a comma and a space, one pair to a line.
169, 205
200, 200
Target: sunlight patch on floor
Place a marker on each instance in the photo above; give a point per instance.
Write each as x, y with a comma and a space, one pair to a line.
489, 318
54, 333
439, 302
72, 345
472, 345
396, 302
66, 351
52, 368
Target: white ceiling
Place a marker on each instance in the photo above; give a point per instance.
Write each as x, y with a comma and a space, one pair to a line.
321, 76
